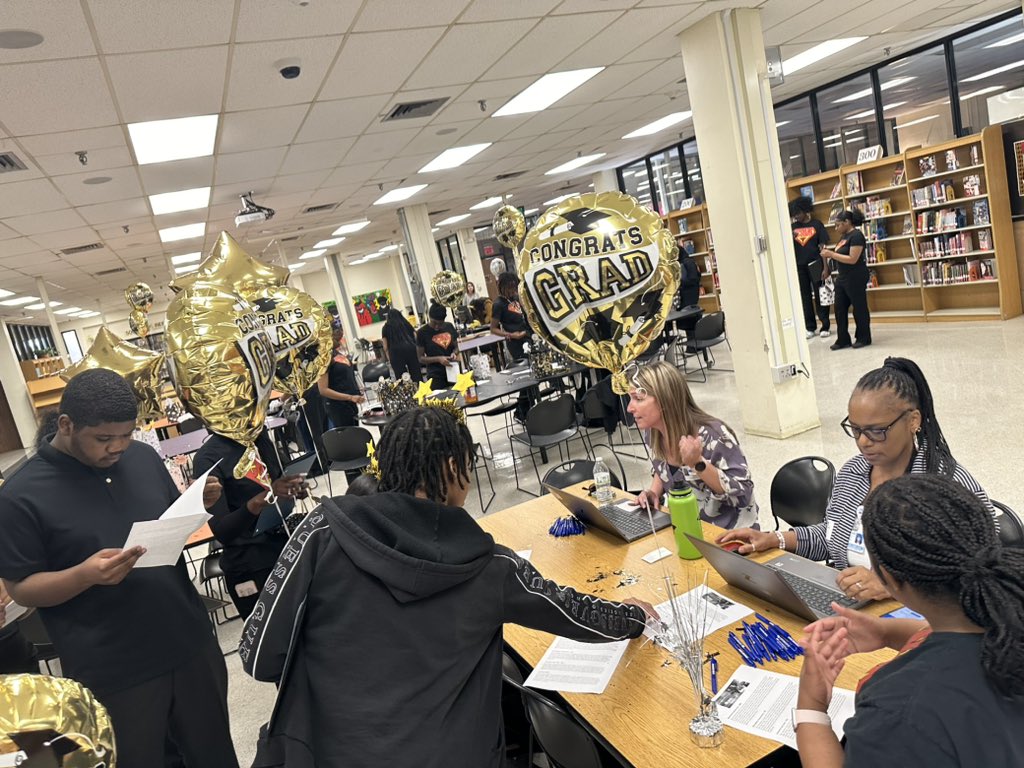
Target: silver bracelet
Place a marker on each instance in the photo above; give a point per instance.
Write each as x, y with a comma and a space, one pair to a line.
782, 540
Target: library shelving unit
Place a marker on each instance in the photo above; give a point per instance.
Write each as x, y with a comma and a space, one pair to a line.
964, 233
692, 229
825, 189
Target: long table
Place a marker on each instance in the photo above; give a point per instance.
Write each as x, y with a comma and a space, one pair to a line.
642, 716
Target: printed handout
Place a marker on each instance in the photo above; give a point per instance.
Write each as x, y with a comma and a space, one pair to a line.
573, 667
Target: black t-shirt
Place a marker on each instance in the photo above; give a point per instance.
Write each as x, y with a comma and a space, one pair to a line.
232, 523
510, 317
806, 241
932, 706
341, 377
442, 342
858, 271
55, 513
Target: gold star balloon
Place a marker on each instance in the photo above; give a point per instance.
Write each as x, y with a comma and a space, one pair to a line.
230, 267
464, 382
425, 390
140, 368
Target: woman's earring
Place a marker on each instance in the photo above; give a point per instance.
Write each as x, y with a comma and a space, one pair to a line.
917, 443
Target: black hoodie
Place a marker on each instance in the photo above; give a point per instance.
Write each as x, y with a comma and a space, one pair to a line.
382, 625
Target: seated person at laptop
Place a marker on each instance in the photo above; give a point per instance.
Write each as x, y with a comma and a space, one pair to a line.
892, 418
688, 444
248, 556
390, 616
955, 694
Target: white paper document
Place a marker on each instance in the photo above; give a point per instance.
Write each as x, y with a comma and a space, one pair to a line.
718, 610
760, 702
526, 554
164, 539
14, 611
191, 501
573, 667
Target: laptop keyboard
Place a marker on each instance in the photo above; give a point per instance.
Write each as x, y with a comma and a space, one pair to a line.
816, 596
629, 523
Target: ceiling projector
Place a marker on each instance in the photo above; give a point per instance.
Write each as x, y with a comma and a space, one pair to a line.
251, 212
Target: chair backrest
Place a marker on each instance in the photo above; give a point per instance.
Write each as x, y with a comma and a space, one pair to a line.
346, 443
575, 471
373, 371
710, 327
551, 416
1011, 530
801, 489
593, 408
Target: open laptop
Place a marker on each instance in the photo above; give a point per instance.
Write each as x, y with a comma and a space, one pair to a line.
628, 526
274, 515
799, 585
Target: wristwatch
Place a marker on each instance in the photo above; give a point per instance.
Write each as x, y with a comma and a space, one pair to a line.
700, 466
810, 716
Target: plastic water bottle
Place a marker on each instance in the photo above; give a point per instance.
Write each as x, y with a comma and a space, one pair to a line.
685, 514
602, 481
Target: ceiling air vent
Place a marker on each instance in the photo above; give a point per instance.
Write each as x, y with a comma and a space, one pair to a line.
320, 208
82, 248
291, 239
113, 271
413, 109
11, 162
505, 176
438, 213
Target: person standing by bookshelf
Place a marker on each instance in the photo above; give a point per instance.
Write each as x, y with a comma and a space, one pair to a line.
809, 237
851, 281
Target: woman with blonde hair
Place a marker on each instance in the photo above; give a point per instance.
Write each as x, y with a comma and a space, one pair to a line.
689, 445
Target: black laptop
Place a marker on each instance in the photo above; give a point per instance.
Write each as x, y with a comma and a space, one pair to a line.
628, 526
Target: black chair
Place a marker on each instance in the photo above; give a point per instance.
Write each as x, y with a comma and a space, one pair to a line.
549, 423
709, 332
190, 425
578, 471
346, 450
210, 573
505, 410
801, 489
373, 371
1011, 530
33, 630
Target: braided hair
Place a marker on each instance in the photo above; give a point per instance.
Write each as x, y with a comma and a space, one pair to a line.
930, 532
415, 449
904, 379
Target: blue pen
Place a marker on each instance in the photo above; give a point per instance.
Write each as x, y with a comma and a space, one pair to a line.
749, 647
753, 640
766, 640
739, 649
714, 674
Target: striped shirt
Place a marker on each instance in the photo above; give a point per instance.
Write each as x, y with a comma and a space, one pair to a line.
831, 538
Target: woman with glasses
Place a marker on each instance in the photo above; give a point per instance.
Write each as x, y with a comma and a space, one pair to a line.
892, 418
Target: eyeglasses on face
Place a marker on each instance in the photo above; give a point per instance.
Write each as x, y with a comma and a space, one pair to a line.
874, 434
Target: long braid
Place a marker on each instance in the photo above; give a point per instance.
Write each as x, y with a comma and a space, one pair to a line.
930, 532
415, 449
907, 382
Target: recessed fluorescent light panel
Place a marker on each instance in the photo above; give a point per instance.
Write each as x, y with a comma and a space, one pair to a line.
387, 248
68, 310
330, 243
90, 313
17, 302
454, 157
40, 305
490, 202
160, 141
560, 198
293, 267
530, 211
993, 72
186, 269
348, 229
784, 122
546, 91
452, 219
5, 293
916, 122
817, 53
185, 200
659, 125
982, 92
187, 258
184, 232
314, 253
867, 91
575, 163
397, 195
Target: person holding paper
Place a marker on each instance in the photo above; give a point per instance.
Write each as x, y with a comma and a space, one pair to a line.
248, 556
139, 638
382, 622
437, 344
954, 696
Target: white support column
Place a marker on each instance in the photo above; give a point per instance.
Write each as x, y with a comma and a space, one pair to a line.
422, 261
723, 56
15, 389
471, 260
335, 272
606, 181
58, 340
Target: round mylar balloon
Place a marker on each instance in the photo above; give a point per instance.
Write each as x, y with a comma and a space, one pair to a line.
448, 288
75, 728
509, 226
497, 266
599, 272
300, 330
230, 267
139, 367
138, 322
223, 362
139, 296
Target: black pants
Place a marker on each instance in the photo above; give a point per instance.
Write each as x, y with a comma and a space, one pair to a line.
244, 605
405, 360
189, 704
810, 299
16, 653
852, 292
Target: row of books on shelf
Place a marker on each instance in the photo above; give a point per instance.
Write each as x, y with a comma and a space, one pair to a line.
955, 244
928, 164
873, 207
944, 191
909, 277
954, 272
945, 219
875, 253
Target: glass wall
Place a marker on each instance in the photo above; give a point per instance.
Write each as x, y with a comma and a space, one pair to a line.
915, 93
668, 180
691, 162
635, 182
847, 115
798, 143
990, 74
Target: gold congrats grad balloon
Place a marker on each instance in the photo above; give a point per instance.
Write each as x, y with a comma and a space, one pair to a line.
139, 367
230, 267
54, 715
223, 362
138, 322
599, 273
448, 288
509, 226
139, 296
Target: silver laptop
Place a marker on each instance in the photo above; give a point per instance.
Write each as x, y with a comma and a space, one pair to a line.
628, 526
798, 585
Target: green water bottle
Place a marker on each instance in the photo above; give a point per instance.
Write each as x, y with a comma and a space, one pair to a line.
685, 514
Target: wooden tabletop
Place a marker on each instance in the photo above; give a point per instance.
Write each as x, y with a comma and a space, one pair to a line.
643, 714
201, 536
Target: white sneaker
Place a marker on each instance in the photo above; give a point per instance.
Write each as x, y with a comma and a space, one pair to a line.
810, 334
825, 334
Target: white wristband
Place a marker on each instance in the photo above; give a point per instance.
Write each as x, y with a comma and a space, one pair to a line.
810, 716
782, 540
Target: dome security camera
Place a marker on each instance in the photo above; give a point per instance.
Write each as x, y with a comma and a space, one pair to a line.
289, 69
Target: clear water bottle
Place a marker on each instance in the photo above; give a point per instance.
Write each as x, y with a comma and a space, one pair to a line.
602, 481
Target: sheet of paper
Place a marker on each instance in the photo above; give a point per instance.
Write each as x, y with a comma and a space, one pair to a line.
191, 501
658, 554
14, 611
719, 611
164, 539
760, 702
573, 667
524, 553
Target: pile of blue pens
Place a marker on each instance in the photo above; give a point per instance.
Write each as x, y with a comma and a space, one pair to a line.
567, 526
763, 641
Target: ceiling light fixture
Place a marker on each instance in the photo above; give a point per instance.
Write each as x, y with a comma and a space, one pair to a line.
530, 211
575, 163
784, 122
398, 194
184, 232
184, 200
387, 248
5, 293
17, 39
17, 302
348, 229
992, 72
293, 267
916, 122
454, 157
982, 92
40, 305
546, 91
453, 219
159, 141
67, 310
314, 253
659, 125
329, 243
817, 53
490, 202
867, 91
187, 258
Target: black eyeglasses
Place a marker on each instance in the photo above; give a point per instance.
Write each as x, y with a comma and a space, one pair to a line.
874, 434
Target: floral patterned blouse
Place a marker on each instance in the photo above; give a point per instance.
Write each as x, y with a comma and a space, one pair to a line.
736, 506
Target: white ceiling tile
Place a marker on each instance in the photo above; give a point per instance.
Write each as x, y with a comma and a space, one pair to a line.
191, 82
6, 233
37, 223
225, 193
498, 10
342, 118
176, 175
260, 128
382, 146
474, 46
299, 182
589, 6
33, 196
354, 173
99, 160
401, 14
70, 142
60, 22
29, 260
123, 184
56, 241
248, 165
124, 26
256, 83
262, 20
76, 96
316, 156
136, 226
32, 171
17, 246
549, 43
105, 213
379, 62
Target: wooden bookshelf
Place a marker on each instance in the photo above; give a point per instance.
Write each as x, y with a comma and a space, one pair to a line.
46, 391
693, 225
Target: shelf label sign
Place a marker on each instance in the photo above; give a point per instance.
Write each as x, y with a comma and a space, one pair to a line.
867, 154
